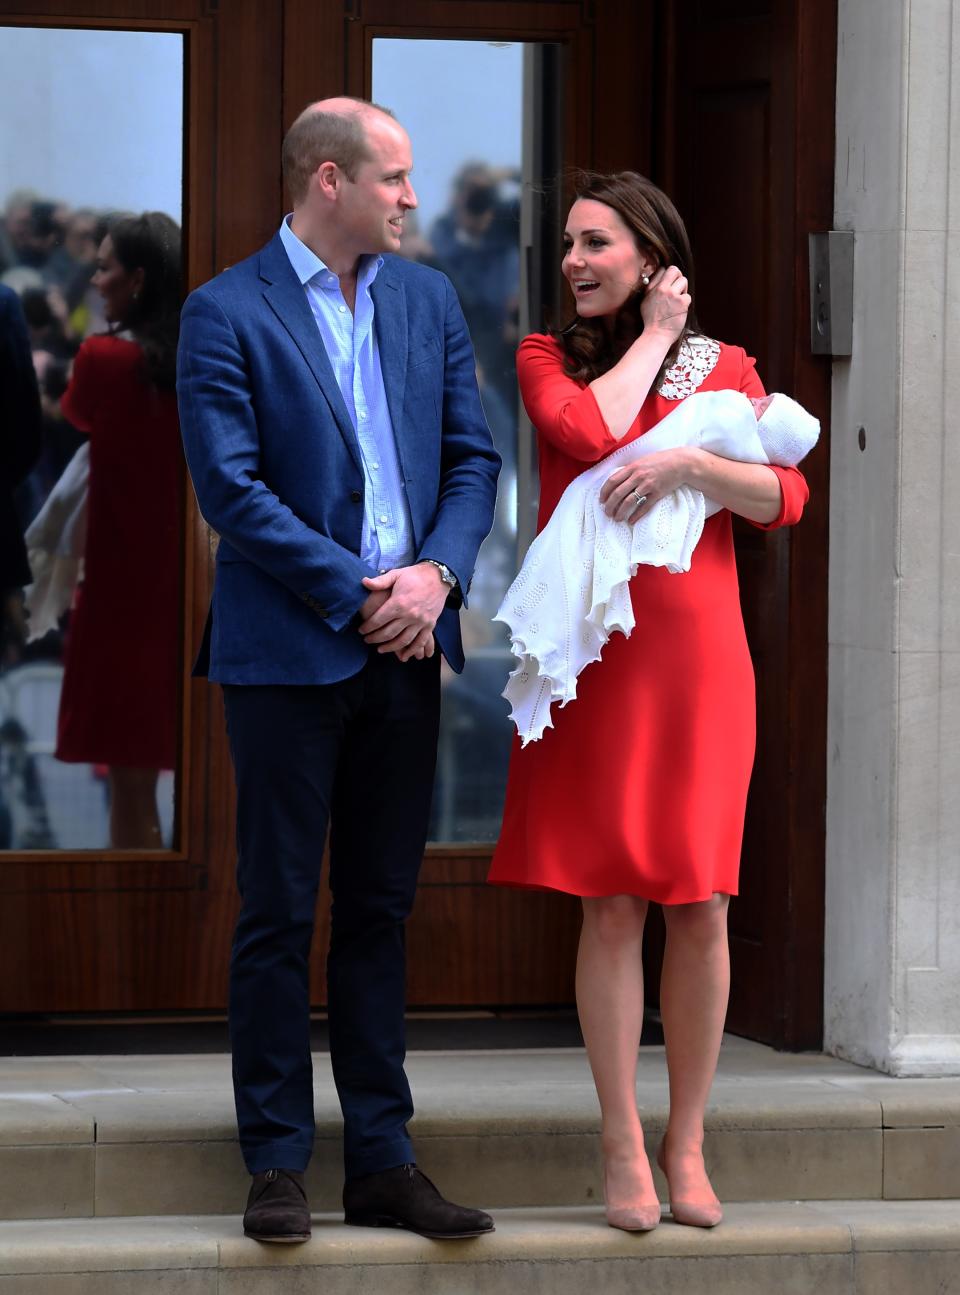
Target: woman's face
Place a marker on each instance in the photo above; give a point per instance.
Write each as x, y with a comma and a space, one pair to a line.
117, 286
601, 261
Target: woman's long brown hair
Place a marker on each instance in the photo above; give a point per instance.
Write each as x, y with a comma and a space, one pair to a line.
589, 347
151, 242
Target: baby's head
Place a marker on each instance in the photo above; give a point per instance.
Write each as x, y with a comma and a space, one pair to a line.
760, 405
787, 432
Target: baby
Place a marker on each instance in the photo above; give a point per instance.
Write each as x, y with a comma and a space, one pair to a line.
572, 590
768, 429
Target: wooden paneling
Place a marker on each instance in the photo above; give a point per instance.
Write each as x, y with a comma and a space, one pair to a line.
749, 159
474, 945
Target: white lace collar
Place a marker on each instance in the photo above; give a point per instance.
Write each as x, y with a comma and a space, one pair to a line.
698, 357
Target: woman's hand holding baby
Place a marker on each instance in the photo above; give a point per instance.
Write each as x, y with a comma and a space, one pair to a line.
650, 479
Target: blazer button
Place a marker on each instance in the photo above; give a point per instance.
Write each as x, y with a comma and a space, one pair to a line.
356, 496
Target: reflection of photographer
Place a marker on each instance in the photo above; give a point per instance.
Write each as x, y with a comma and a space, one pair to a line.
476, 243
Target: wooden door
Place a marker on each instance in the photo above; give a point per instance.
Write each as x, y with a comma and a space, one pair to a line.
729, 106
746, 147
110, 930
468, 943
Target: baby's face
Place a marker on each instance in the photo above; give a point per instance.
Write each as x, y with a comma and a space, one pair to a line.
760, 405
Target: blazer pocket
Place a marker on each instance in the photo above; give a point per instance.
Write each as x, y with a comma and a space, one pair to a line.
428, 353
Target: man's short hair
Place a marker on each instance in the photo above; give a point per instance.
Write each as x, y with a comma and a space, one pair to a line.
317, 137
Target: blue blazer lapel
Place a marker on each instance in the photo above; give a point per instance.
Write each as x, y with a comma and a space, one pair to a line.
285, 296
390, 321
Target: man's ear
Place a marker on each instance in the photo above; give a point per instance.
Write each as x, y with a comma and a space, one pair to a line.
328, 179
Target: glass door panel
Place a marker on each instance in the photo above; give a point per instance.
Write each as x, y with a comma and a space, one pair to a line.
90, 660
482, 172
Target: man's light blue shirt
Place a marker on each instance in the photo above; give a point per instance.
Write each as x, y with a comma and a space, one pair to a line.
350, 341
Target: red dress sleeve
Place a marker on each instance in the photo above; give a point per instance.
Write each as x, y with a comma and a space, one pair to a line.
563, 412
794, 492
79, 401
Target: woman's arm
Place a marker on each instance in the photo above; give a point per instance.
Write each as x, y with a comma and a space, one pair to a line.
767, 496
587, 423
750, 489
621, 391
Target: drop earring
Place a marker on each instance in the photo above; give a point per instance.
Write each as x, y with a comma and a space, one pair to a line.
645, 280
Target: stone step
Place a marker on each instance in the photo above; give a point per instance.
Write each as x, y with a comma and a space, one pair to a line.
87, 1137
835, 1248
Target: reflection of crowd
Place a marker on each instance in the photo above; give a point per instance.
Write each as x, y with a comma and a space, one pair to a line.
48, 255
476, 243
98, 315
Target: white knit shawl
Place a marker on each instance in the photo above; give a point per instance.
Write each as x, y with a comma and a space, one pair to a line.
572, 590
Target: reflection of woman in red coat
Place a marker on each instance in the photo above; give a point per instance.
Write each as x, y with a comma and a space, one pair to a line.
119, 701
638, 792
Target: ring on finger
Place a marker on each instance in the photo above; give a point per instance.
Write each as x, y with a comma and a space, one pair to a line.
641, 499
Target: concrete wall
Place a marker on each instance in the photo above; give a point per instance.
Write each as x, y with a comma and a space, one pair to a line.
893, 813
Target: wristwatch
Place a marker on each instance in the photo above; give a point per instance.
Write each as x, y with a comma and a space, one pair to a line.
446, 575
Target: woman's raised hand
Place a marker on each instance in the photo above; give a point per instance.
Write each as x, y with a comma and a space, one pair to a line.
666, 302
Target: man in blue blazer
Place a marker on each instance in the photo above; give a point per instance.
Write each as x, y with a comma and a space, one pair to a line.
337, 445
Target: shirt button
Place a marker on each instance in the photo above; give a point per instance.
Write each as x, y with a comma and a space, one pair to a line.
363, 415
374, 466
384, 519
342, 309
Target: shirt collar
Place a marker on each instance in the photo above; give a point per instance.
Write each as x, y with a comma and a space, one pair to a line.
307, 265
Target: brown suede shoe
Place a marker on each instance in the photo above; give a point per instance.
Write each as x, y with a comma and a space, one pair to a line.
406, 1198
277, 1208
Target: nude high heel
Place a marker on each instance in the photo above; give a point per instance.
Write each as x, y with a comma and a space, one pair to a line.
693, 1214
630, 1218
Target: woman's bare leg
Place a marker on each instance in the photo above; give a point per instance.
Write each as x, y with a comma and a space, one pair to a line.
134, 820
610, 1003
694, 990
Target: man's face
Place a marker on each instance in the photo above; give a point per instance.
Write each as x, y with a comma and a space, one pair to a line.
375, 202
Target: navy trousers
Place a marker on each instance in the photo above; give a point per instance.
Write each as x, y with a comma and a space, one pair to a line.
358, 755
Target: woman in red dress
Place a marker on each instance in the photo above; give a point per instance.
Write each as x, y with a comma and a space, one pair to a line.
118, 706
638, 792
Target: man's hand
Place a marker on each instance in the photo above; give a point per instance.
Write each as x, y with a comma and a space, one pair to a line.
372, 603
411, 600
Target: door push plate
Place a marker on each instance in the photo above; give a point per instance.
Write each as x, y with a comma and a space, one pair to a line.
831, 292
